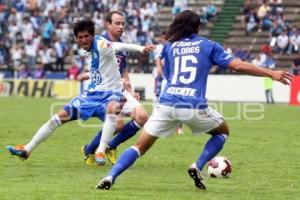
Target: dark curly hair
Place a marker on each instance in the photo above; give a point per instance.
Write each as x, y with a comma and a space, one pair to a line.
84, 25
184, 24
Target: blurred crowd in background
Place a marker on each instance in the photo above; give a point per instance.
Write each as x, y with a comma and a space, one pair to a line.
36, 38
36, 35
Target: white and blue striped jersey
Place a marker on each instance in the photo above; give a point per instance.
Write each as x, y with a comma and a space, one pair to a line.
103, 66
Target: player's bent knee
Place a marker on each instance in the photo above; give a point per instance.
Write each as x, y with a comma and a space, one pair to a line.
113, 107
120, 125
222, 129
142, 119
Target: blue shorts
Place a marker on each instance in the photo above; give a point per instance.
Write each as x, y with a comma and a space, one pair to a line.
91, 104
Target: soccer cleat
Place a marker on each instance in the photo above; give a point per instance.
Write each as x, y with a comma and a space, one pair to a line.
100, 158
88, 159
105, 183
18, 151
195, 174
111, 155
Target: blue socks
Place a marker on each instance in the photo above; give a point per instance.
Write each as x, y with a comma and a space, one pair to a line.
213, 146
93, 145
125, 161
129, 130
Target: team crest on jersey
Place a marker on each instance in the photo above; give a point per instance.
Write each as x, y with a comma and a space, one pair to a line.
96, 77
95, 55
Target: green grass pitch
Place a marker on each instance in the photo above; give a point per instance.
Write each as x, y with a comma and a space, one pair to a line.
265, 157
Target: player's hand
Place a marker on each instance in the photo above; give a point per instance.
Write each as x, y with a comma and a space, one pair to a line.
136, 96
83, 77
149, 48
126, 84
282, 76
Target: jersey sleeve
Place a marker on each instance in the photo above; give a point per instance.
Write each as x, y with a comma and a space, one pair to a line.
118, 46
158, 51
220, 57
105, 47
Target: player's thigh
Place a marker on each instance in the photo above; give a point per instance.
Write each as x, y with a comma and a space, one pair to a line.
130, 104
139, 114
161, 122
204, 120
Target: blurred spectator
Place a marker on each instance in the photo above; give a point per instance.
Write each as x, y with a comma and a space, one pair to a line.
251, 21
39, 72
263, 9
31, 53
59, 54
295, 68
73, 71
47, 31
23, 71
294, 41
282, 42
211, 11
179, 6
266, 48
47, 57
17, 54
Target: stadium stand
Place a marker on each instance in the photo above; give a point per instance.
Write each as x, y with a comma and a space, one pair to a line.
18, 20
238, 39
165, 14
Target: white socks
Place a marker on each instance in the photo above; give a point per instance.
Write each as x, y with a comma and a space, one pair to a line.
43, 133
108, 130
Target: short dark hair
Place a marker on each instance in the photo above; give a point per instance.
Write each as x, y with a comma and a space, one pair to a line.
108, 17
184, 24
84, 25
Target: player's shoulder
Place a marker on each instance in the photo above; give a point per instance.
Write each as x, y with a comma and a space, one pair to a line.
100, 38
102, 42
203, 40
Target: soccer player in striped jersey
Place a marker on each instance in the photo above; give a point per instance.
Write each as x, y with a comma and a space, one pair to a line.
115, 23
104, 94
188, 59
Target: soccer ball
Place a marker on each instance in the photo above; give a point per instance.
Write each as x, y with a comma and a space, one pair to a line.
219, 167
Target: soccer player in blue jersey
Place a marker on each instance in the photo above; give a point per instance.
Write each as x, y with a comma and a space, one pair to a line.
103, 96
115, 24
188, 59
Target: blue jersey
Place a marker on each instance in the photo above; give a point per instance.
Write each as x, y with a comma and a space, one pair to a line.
186, 68
120, 55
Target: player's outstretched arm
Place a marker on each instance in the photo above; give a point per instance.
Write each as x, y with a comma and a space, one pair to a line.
83, 76
132, 47
251, 69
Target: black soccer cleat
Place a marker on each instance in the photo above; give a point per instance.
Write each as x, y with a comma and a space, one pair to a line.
195, 174
105, 183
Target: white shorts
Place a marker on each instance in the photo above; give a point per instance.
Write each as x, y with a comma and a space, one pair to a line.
165, 119
130, 104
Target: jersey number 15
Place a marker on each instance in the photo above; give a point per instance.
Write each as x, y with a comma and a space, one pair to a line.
180, 66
